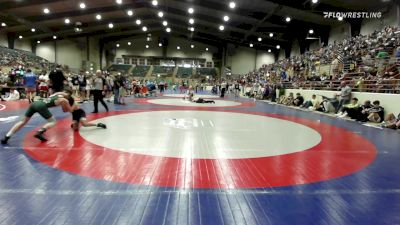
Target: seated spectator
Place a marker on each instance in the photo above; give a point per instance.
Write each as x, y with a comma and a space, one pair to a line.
391, 122
299, 100
398, 53
363, 112
349, 109
345, 95
312, 104
376, 112
13, 96
330, 104
287, 100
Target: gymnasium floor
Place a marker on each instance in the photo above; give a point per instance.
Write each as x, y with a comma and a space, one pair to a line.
165, 161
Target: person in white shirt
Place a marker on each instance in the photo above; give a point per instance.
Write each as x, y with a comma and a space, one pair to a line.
13, 96
43, 85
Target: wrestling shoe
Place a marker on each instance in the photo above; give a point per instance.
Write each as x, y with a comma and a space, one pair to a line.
39, 135
4, 141
102, 125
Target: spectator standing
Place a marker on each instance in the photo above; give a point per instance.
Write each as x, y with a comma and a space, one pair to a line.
30, 80
57, 79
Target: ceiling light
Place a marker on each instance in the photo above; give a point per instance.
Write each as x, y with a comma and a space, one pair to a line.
67, 21
191, 21
340, 18
168, 29
148, 38
271, 34
82, 5
154, 2
251, 45
311, 31
288, 19
119, 2
232, 5
129, 43
54, 37
192, 46
278, 46
110, 25
138, 22
259, 39
191, 29
20, 37
129, 12
190, 10
269, 50
206, 49
98, 17
226, 18
164, 23
159, 44
160, 14
221, 27
178, 47
3, 24
38, 42
144, 29
46, 11
147, 46
33, 29
117, 45
314, 1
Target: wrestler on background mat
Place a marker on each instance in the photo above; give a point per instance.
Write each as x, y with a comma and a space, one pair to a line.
42, 106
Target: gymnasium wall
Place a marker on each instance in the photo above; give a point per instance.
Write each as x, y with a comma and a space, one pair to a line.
263, 57
282, 54
388, 101
70, 52
46, 51
23, 44
314, 45
338, 33
245, 59
295, 50
3, 40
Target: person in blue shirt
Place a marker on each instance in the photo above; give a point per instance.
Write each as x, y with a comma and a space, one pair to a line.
30, 85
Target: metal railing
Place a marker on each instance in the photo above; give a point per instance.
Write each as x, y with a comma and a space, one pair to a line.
383, 85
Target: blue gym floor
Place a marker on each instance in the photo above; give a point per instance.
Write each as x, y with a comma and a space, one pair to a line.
32, 192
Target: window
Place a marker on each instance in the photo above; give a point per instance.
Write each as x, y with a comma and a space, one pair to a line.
209, 64
142, 62
134, 61
127, 61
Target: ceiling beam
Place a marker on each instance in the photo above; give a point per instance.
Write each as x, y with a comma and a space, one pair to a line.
259, 23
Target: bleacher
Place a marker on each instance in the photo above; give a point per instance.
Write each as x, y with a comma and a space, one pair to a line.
140, 71
123, 68
184, 72
205, 71
14, 57
163, 70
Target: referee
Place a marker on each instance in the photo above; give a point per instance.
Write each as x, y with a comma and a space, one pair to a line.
99, 91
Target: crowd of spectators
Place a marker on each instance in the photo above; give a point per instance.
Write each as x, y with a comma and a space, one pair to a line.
369, 62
